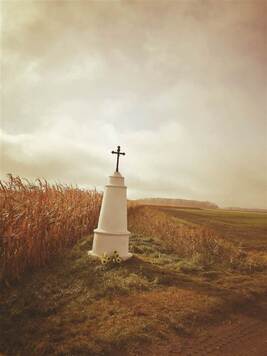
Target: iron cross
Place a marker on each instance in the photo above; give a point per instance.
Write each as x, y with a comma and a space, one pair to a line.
118, 153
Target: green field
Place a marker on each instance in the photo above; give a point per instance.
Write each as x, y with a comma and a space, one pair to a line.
246, 228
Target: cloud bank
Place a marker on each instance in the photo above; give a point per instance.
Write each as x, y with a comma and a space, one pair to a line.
181, 86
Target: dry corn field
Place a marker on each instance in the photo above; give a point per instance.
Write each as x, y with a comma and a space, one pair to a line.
38, 220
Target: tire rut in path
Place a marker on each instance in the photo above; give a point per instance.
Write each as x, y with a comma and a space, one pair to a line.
242, 336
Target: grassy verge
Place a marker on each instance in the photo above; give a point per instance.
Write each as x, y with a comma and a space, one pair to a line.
196, 240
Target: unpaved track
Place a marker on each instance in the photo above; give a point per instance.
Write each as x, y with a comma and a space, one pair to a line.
242, 334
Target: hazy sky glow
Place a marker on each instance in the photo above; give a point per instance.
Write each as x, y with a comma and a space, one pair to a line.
180, 85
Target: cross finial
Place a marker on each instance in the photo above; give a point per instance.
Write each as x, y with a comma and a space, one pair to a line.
118, 153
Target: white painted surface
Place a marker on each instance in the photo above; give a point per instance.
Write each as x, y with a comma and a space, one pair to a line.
111, 233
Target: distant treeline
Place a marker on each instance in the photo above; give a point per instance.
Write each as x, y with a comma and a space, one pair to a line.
179, 202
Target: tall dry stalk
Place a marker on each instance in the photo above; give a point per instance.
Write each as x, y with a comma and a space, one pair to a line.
38, 220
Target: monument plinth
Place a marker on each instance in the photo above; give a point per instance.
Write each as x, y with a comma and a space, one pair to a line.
112, 234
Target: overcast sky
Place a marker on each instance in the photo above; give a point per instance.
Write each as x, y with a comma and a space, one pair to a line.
180, 85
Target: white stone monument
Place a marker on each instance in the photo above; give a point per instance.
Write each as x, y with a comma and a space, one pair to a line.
112, 234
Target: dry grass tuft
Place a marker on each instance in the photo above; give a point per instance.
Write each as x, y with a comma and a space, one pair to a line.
199, 243
38, 220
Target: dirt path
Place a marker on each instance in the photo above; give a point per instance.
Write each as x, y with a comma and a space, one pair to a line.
244, 336
241, 335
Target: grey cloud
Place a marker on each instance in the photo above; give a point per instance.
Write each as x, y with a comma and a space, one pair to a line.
180, 85
53, 158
